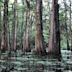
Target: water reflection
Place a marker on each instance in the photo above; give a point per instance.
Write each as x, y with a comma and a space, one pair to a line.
30, 63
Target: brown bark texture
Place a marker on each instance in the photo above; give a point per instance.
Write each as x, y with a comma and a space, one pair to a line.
54, 39
39, 40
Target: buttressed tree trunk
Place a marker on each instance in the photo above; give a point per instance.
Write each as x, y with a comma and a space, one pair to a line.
39, 40
54, 39
4, 43
26, 41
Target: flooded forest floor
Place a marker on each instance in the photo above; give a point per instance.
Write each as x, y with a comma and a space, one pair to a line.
27, 62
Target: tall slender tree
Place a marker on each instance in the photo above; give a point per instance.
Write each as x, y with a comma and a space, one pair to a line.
70, 25
39, 40
66, 27
26, 41
22, 25
4, 43
0, 26
14, 25
54, 39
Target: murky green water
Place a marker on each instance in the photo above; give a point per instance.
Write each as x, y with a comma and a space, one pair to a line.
32, 63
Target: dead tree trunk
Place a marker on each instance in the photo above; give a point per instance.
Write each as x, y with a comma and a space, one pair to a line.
54, 39
39, 40
4, 43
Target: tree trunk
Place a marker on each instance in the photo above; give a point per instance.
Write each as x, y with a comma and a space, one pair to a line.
39, 40
14, 25
26, 41
4, 43
67, 37
54, 39
70, 26
22, 25
0, 27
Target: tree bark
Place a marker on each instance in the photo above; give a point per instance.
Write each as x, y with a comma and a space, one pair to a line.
14, 26
54, 39
26, 40
39, 40
70, 26
0, 27
22, 25
4, 43
67, 37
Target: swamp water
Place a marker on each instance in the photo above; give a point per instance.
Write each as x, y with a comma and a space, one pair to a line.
31, 63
